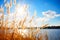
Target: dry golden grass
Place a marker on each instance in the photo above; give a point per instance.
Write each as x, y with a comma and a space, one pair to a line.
17, 36
5, 34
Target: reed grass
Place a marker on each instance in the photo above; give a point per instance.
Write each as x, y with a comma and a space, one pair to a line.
5, 34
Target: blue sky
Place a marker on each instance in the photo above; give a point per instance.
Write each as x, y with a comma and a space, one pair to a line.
41, 6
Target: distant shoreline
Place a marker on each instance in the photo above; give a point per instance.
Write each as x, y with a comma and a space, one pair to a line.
48, 27
52, 27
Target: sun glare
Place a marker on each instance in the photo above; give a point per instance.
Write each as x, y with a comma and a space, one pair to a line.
19, 22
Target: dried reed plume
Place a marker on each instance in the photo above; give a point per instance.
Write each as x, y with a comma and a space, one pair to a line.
12, 33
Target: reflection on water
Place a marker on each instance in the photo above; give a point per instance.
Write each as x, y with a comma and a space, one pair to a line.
53, 34
50, 34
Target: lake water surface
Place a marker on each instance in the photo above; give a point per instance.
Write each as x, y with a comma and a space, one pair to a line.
53, 34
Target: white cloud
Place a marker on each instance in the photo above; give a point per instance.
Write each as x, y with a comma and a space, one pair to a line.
50, 14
